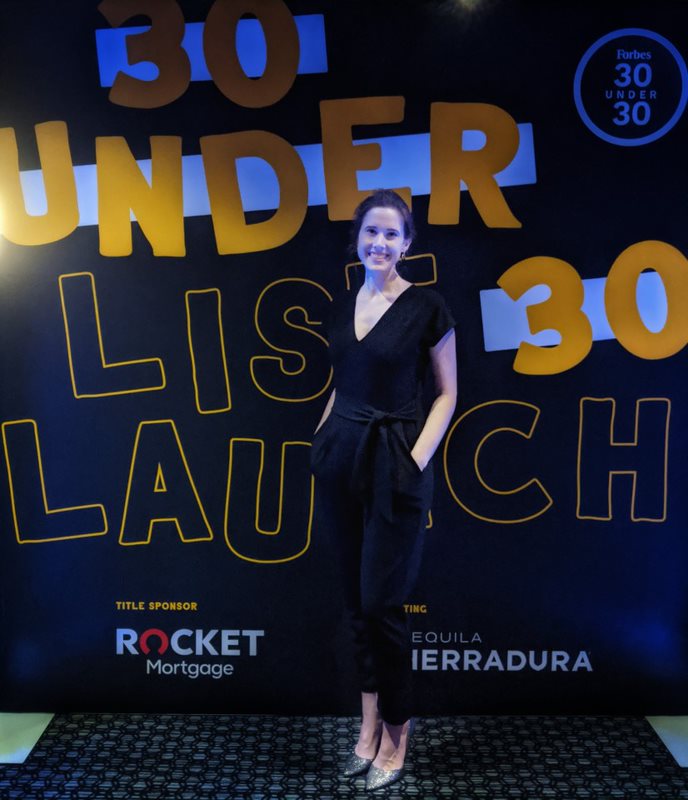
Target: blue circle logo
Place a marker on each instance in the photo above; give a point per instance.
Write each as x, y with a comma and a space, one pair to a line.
631, 87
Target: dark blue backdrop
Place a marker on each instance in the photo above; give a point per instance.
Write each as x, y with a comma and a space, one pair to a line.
530, 600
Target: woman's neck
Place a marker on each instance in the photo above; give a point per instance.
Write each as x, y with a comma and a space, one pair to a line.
389, 284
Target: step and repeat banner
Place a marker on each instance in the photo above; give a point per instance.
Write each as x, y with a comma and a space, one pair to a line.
176, 184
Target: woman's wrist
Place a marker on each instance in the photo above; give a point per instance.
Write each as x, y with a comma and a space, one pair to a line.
420, 460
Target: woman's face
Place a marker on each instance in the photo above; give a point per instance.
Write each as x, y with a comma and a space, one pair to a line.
381, 239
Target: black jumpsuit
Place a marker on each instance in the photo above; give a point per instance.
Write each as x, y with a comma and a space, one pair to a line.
372, 499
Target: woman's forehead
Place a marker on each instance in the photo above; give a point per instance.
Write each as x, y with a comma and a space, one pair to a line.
383, 217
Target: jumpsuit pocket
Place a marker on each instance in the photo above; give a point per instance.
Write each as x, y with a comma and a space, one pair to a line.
410, 436
414, 463
413, 483
321, 429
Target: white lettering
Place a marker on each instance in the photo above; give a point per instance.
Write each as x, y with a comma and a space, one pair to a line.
560, 660
582, 662
203, 642
253, 637
429, 660
191, 670
515, 660
176, 646
186, 642
533, 664
450, 659
471, 659
494, 661
126, 638
230, 643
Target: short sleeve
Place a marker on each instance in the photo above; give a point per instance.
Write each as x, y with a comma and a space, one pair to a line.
440, 321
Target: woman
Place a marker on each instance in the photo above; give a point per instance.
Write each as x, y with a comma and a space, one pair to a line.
371, 457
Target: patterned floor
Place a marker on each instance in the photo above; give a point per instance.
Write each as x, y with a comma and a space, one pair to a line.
222, 757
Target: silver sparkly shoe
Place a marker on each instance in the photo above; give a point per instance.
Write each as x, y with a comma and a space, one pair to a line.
378, 778
356, 765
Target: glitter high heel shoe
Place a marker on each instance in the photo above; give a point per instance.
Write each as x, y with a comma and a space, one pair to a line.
379, 778
357, 765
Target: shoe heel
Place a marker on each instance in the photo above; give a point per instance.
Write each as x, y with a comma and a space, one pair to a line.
380, 778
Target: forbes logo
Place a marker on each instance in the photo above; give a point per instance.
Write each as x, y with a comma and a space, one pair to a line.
187, 642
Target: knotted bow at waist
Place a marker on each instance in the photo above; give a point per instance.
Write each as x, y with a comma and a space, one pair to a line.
374, 465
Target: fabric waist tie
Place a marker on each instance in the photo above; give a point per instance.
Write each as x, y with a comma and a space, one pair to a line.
373, 469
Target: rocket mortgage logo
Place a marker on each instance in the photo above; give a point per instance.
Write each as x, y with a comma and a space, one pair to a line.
188, 653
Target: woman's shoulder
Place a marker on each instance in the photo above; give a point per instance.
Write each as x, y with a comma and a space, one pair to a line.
437, 318
429, 296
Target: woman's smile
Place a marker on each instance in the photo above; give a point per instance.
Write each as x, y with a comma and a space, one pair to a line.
381, 239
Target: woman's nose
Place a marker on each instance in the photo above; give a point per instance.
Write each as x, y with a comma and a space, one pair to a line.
379, 240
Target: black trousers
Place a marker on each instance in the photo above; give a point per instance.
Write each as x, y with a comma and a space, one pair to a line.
372, 502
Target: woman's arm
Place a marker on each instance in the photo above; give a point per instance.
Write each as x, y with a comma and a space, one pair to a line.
443, 357
326, 412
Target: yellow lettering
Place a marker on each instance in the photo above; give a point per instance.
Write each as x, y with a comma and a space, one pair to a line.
209, 359
161, 488
162, 45
561, 312
282, 41
34, 520
62, 216
342, 158
464, 457
232, 233
283, 317
122, 188
291, 535
450, 163
91, 374
620, 299
602, 457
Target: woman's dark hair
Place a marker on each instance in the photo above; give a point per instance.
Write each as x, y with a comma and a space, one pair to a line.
381, 198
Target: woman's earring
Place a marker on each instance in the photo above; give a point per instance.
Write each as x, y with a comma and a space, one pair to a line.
403, 255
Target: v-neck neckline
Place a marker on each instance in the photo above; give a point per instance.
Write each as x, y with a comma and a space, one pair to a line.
381, 317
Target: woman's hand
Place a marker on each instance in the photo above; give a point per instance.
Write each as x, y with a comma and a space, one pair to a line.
420, 463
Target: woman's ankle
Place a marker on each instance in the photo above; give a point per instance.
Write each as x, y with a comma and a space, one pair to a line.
371, 727
393, 746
